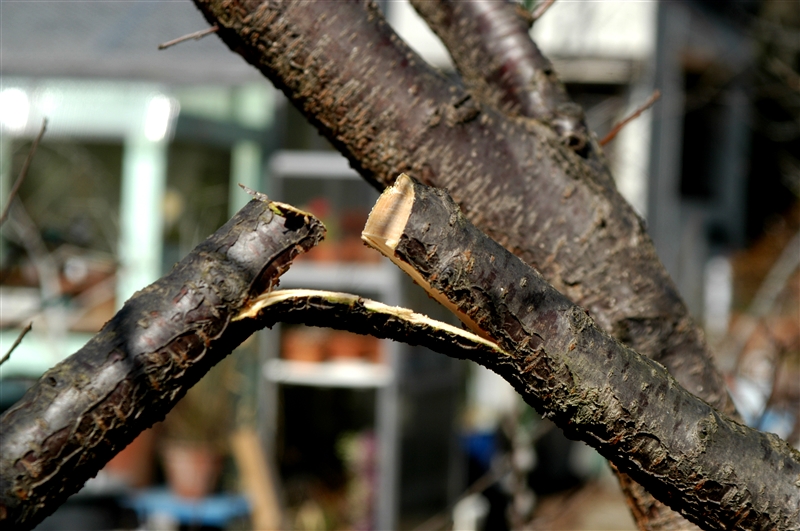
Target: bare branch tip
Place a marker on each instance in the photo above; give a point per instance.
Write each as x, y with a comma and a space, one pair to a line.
23, 172
16, 342
256, 194
197, 35
540, 10
635, 114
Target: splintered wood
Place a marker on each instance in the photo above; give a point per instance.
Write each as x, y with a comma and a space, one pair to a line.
385, 227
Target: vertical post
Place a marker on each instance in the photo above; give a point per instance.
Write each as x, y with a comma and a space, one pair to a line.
253, 107
144, 168
387, 421
5, 181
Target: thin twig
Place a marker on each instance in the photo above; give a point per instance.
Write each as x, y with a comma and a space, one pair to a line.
617, 128
197, 35
492, 476
23, 173
541, 7
785, 72
776, 281
17, 342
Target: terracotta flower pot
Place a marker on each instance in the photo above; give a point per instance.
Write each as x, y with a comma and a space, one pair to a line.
135, 463
345, 346
303, 344
191, 469
373, 349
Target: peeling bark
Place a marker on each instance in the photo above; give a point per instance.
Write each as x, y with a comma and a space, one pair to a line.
352, 313
718, 473
164, 339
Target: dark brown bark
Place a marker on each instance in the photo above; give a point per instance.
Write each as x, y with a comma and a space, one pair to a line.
716, 472
503, 67
388, 111
492, 50
164, 339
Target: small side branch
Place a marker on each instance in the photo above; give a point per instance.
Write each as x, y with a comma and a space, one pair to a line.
541, 8
197, 35
635, 114
768, 293
16, 342
23, 173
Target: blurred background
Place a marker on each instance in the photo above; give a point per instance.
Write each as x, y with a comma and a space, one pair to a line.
306, 428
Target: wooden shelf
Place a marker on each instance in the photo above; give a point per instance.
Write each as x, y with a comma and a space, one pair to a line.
339, 276
351, 374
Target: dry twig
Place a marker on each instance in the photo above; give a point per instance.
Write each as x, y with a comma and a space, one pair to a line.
23, 173
541, 8
197, 35
16, 342
763, 303
618, 127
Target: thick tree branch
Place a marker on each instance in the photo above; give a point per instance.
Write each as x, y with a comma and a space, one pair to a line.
501, 65
388, 111
166, 337
715, 471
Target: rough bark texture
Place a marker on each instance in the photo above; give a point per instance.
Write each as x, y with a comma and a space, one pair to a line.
492, 50
503, 67
387, 111
716, 472
166, 337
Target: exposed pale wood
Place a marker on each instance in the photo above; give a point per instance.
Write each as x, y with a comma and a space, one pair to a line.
364, 316
385, 226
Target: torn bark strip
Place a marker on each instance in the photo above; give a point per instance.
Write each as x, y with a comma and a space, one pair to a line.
344, 311
713, 470
164, 339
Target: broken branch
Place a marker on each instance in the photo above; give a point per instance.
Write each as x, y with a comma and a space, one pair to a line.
594, 388
163, 340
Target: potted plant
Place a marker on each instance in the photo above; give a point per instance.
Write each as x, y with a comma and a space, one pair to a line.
195, 436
